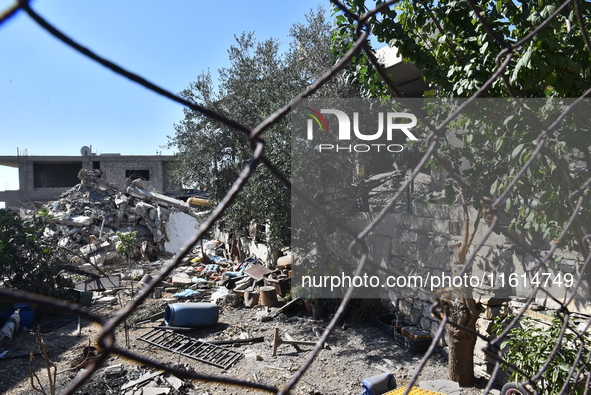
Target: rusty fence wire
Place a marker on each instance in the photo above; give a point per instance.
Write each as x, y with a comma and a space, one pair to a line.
578, 200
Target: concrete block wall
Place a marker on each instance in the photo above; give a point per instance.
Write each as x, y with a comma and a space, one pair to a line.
114, 172
420, 243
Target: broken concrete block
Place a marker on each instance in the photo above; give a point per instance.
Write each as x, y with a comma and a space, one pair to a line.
181, 280
88, 249
108, 300
98, 258
158, 236
76, 220
142, 209
175, 382
111, 255
120, 199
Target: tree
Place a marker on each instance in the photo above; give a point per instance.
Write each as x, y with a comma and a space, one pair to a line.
259, 80
458, 46
27, 258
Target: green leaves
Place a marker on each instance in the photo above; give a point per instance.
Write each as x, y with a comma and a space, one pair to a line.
27, 261
128, 245
530, 346
260, 80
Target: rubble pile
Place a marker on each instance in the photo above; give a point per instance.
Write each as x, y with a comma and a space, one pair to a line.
87, 218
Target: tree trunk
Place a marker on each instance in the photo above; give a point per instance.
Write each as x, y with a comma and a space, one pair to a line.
461, 342
463, 312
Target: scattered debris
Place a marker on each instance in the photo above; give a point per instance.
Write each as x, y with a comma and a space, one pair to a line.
143, 379
114, 371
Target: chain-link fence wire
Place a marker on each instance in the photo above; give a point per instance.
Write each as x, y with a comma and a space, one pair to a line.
577, 200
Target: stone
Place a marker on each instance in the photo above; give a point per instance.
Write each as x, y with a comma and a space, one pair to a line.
405, 308
175, 382
263, 316
97, 259
418, 304
425, 323
484, 326
88, 249
440, 258
409, 236
396, 245
415, 316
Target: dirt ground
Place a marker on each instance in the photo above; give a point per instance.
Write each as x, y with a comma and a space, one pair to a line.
355, 351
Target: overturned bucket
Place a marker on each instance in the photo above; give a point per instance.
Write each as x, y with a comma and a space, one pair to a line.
191, 315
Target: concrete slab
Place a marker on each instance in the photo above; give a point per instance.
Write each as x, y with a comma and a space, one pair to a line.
99, 284
443, 386
179, 229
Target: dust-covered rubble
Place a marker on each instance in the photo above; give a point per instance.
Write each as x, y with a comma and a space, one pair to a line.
88, 218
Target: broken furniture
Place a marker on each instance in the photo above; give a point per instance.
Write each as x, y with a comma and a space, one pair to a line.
277, 341
282, 285
192, 348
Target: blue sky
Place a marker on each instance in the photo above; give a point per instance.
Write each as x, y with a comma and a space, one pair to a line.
53, 100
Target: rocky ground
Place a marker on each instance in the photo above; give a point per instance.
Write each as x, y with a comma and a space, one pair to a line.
87, 222
356, 350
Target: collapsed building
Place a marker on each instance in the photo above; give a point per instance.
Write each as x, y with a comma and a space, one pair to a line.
87, 219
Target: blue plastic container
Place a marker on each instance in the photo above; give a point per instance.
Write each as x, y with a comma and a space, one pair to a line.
27, 314
379, 384
191, 315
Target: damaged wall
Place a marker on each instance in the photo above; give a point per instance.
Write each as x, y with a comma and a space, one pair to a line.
44, 178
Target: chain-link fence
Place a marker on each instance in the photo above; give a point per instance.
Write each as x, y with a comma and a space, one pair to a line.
569, 343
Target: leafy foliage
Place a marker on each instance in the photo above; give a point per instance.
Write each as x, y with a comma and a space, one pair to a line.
128, 245
27, 260
530, 345
457, 56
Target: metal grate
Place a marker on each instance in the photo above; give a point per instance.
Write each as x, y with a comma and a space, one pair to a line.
192, 348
